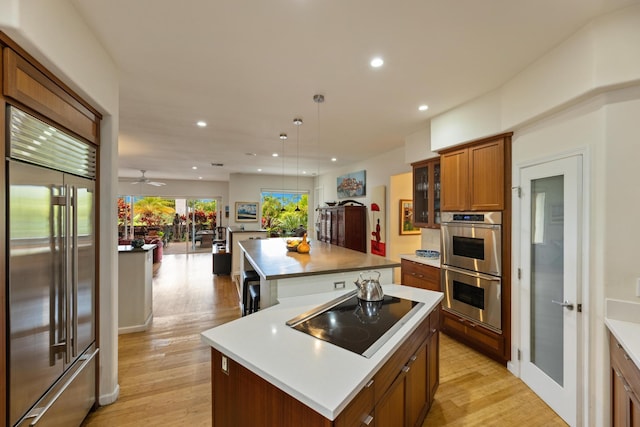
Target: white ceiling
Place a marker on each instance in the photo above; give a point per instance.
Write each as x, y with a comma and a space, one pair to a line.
248, 67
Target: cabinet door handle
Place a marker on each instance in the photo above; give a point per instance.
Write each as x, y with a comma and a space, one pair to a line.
367, 421
369, 384
626, 356
413, 358
406, 368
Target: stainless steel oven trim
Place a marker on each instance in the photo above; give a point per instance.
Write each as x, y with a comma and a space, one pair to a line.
493, 316
488, 218
493, 247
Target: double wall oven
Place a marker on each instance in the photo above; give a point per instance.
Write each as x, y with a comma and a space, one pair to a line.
471, 266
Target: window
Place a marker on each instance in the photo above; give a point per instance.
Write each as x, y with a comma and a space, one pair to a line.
284, 213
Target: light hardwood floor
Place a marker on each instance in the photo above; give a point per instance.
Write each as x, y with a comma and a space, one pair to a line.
164, 373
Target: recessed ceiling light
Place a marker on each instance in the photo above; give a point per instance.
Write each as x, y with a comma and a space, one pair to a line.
259, 170
304, 172
202, 124
194, 167
199, 177
274, 155
377, 62
423, 107
333, 159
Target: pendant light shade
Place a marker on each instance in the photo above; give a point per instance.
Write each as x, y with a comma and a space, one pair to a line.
318, 99
298, 123
283, 137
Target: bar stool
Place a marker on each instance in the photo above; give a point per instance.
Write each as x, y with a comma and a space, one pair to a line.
250, 279
254, 298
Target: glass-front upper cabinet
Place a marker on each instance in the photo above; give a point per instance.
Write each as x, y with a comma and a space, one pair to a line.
426, 193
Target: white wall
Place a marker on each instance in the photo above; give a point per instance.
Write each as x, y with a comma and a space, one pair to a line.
53, 33
401, 187
379, 170
248, 187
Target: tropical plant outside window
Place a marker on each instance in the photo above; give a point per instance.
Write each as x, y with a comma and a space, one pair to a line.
279, 215
158, 213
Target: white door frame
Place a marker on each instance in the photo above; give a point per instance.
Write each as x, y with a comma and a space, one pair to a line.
584, 337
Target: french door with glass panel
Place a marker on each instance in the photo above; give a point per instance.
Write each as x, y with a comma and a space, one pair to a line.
551, 220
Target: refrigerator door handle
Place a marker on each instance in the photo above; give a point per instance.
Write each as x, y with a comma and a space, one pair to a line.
74, 282
38, 413
68, 266
58, 340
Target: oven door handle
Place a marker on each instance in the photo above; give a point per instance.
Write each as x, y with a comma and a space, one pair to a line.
472, 273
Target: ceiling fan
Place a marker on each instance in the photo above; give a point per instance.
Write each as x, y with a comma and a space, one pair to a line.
144, 180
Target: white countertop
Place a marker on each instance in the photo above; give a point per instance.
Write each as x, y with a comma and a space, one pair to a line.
319, 374
433, 262
623, 320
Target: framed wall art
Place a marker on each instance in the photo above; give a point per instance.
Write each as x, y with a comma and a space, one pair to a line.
246, 211
406, 218
352, 185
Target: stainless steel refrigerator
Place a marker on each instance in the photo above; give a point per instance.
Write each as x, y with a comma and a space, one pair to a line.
51, 280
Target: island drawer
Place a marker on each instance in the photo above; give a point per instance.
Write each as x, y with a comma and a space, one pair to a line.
420, 275
359, 410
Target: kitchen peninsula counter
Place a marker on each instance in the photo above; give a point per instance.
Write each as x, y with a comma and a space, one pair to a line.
135, 272
326, 268
322, 376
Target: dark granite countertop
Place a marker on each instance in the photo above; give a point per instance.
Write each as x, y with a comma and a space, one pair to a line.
271, 259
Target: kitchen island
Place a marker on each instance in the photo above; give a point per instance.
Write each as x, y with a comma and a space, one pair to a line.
267, 373
326, 268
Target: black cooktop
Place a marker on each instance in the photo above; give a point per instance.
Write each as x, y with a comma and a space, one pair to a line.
355, 325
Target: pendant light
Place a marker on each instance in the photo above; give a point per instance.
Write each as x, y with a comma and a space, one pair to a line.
318, 99
298, 123
283, 137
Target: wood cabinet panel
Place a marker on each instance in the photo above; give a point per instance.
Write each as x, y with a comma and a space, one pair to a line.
474, 335
420, 275
29, 86
344, 226
625, 387
417, 386
473, 176
454, 178
486, 176
426, 193
390, 411
359, 410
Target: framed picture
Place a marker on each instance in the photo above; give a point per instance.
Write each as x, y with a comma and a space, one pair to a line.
352, 185
246, 211
406, 218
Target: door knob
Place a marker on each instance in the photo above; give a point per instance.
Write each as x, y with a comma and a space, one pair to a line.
566, 304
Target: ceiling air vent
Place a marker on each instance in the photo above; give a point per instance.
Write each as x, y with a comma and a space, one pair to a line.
218, 165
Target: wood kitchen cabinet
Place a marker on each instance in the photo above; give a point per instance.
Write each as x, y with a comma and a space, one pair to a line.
420, 275
400, 393
406, 402
474, 335
625, 387
473, 176
426, 193
344, 226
